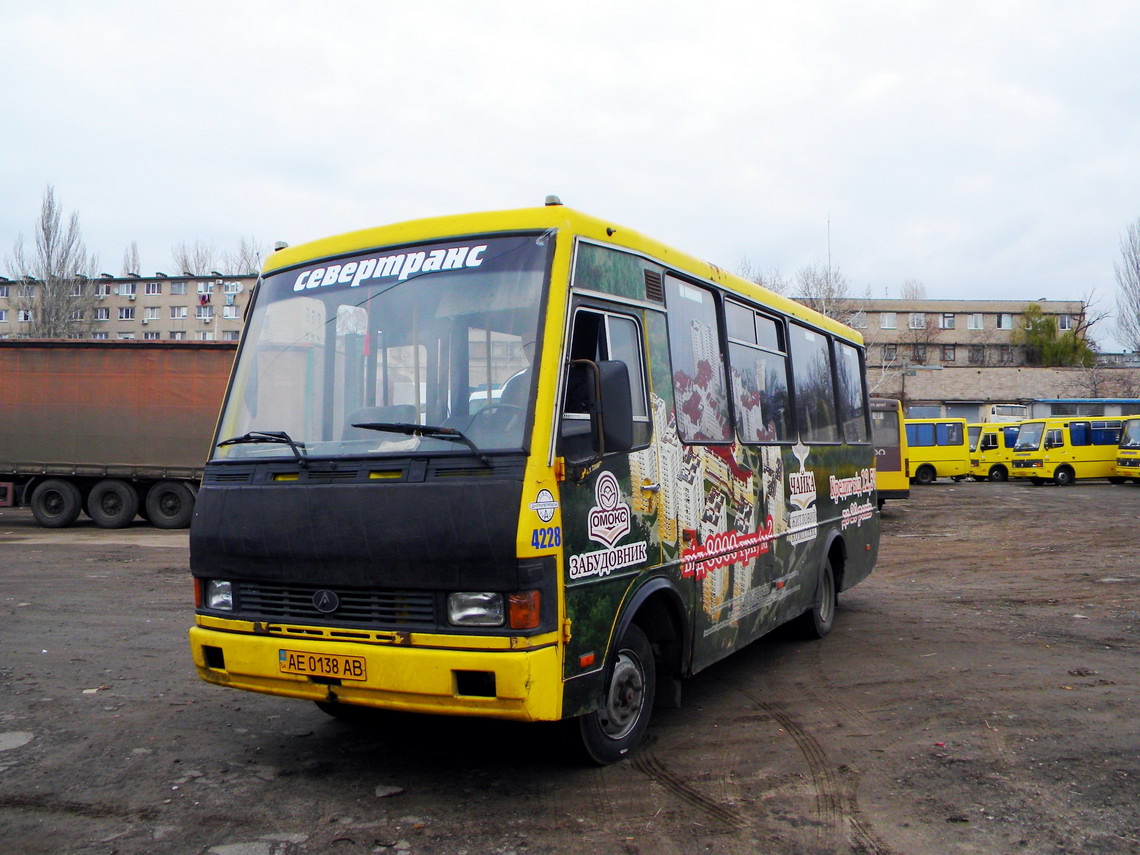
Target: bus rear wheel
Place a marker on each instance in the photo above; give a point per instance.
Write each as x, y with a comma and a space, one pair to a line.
925, 474
998, 474
817, 621
617, 726
1063, 477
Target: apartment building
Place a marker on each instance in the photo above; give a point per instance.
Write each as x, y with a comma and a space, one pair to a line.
154, 308
953, 333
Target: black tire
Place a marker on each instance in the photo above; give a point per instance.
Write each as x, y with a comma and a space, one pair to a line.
617, 726
925, 474
998, 474
817, 621
1036, 481
169, 504
1063, 477
112, 503
1116, 480
56, 503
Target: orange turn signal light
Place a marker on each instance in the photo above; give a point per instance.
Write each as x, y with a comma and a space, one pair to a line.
524, 609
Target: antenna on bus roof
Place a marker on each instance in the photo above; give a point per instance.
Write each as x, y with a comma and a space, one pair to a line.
552, 200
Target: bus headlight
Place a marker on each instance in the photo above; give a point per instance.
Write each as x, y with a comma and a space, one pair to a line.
475, 608
220, 595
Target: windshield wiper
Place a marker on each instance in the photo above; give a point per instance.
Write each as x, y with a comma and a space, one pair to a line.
273, 436
428, 431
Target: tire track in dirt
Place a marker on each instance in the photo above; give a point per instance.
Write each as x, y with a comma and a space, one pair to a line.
650, 764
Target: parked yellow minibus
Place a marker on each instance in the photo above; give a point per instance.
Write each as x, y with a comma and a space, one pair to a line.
937, 449
991, 450
1066, 448
892, 463
1128, 451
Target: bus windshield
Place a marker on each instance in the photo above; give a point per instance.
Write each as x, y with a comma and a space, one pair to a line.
1029, 436
438, 335
1130, 438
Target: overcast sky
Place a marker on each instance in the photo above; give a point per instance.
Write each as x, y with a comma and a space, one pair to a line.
987, 149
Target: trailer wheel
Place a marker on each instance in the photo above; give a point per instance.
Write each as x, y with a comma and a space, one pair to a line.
56, 503
613, 730
169, 504
112, 503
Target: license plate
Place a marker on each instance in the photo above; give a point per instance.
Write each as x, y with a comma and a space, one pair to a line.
322, 665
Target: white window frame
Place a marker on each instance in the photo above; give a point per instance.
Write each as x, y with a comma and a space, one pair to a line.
1005, 320
888, 321
916, 321
946, 321
975, 321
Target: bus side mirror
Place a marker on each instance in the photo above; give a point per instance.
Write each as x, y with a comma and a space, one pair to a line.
599, 391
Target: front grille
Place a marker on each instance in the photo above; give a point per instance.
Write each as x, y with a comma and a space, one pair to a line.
378, 608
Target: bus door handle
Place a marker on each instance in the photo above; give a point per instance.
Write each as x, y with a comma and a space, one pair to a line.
650, 488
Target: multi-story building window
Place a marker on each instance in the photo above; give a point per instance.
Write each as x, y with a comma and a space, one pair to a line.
204, 313
153, 289
150, 313
177, 313
1064, 322
26, 289
3, 316
99, 336
890, 351
920, 354
1004, 321
229, 312
151, 336
126, 313
977, 354
205, 287
232, 287
24, 316
77, 289
974, 321
178, 335
77, 315
127, 289
102, 313
1005, 354
231, 335
887, 321
205, 335
178, 289
103, 289
916, 321
947, 353
3, 290
946, 321
858, 320
126, 336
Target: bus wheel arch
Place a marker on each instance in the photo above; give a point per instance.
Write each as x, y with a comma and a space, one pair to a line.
998, 473
925, 474
1064, 476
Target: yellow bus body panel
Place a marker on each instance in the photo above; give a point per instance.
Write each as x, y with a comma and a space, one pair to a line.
1085, 461
949, 461
528, 682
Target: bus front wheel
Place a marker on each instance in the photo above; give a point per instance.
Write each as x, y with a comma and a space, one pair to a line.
998, 474
617, 726
1063, 477
925, 474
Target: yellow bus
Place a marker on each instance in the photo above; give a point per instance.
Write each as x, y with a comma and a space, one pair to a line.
525, 464
991, 450
892, 463
1128, 451
938, 449
1063, 449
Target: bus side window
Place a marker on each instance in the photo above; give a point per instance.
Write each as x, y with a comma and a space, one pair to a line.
814, 392
698, 368
1079, 433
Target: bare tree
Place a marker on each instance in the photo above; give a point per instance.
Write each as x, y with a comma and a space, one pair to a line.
1128, 278
131, 259
828, 290
195, 259
913, 289
54, 293
246, 258
773, 278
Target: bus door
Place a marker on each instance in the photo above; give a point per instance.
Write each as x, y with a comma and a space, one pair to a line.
610, 498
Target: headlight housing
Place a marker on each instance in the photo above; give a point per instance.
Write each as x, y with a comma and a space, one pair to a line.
475, 608
219, 595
